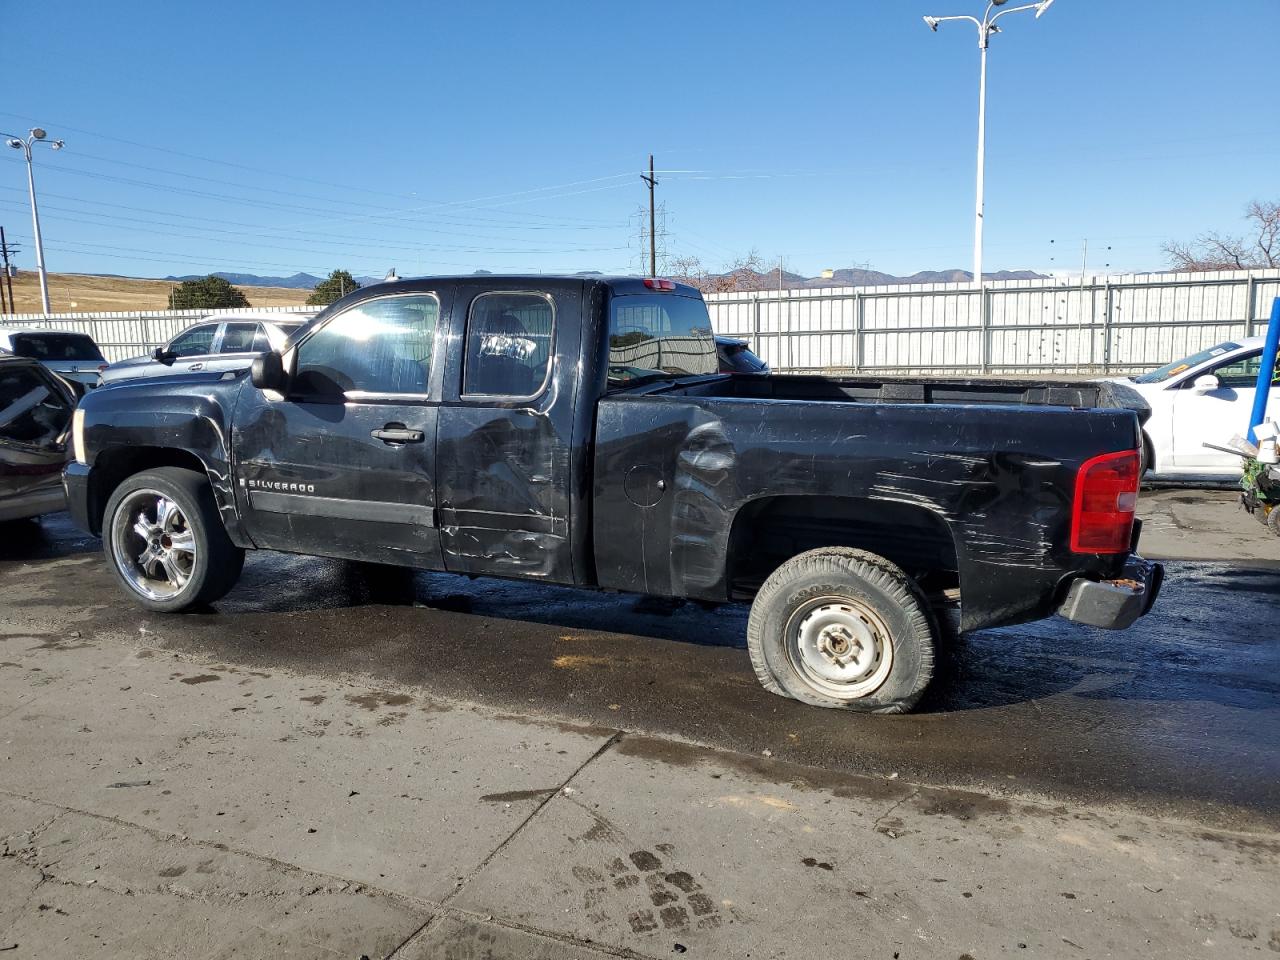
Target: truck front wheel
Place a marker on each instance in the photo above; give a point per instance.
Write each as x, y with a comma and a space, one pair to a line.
165, 541
838, 627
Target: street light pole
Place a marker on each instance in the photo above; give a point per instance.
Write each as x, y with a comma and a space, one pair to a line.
982, 166
986, 28
37, 135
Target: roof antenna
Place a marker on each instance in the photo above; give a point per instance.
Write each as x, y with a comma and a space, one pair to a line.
391, 276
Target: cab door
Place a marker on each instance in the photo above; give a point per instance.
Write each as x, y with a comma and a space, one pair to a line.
506, 431
344, 465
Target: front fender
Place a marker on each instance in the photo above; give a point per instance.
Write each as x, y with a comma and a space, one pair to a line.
129, 428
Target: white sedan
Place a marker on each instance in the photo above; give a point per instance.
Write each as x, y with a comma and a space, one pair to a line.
1204, 398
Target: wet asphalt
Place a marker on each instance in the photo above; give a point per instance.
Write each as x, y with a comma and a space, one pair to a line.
1178, 716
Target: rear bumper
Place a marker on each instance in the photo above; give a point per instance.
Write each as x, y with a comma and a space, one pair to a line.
75, 481
1115, 604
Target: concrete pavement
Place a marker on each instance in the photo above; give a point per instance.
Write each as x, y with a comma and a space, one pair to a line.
492, 770
157, 804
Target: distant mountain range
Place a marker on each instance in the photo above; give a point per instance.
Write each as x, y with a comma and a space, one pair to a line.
748, 279
299, 281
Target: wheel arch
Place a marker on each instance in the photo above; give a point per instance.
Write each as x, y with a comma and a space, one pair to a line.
114, 465
768, 531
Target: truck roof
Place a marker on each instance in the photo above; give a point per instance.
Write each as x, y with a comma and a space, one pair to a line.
620, 285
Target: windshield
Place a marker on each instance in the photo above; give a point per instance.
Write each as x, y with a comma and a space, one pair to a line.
1170, 370
657, 337
52, 347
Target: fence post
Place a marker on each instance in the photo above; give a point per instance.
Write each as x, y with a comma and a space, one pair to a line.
984, 306
755, 323
1250, 304
859, 357
1107, 329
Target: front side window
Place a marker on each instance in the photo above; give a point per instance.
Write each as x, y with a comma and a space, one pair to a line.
379, 346
508, 345
656, 337
238, 337
196, 342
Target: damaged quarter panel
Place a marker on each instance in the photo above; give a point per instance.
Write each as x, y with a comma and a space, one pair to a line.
999, 478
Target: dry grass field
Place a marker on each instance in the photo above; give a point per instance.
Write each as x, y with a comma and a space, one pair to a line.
77, 293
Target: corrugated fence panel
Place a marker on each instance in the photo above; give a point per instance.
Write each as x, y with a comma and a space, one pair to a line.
1094, 324
1102, 324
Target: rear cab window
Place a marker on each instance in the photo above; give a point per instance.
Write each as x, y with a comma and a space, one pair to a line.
659, 337
55, 347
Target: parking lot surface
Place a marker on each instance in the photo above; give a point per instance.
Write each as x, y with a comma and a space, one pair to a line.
333, 764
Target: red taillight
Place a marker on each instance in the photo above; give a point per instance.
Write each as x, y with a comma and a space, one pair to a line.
653, 283
1106, 497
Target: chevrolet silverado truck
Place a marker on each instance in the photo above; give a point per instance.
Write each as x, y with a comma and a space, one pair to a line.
577, 430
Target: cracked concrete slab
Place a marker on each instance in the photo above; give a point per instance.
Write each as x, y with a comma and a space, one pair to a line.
86, 886
467, 938
385, 787
662, 847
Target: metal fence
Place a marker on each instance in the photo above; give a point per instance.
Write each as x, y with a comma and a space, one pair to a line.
1103, 324
121, 335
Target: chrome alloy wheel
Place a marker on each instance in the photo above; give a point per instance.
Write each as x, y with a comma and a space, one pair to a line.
840, 647
152, 544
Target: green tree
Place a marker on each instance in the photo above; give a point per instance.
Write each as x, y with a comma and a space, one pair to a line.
207, 293
337, 284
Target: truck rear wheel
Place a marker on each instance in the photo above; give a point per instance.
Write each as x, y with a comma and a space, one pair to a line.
838, 627
165, 541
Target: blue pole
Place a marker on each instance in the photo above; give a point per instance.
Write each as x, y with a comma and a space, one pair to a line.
1268, 370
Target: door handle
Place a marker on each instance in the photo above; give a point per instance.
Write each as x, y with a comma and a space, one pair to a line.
397, 433
196, 366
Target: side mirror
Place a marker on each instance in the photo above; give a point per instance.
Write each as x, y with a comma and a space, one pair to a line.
1206, 384
267, 372
161, 355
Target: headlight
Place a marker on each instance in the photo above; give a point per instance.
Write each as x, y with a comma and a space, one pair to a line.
77, 435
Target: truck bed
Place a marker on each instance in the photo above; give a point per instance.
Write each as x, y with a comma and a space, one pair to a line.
1082, 394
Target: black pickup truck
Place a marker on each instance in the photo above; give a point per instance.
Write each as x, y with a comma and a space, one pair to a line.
576, 430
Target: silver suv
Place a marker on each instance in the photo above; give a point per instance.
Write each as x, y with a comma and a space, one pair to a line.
217, 343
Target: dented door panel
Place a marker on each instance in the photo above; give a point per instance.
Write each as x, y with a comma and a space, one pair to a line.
506, 465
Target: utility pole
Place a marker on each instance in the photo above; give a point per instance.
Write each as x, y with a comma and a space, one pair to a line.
8, 276
652, 181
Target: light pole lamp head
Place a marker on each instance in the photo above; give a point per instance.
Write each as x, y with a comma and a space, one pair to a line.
58, 144
38, 133
1042, 6
931, 23
15, 143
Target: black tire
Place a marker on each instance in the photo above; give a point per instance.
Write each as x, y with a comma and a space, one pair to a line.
1148, 461
875, 590
216, 563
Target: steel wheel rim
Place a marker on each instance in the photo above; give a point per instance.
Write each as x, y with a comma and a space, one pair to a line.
840, 647
153, 545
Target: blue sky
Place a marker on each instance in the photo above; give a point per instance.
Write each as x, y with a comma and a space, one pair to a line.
273, 137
